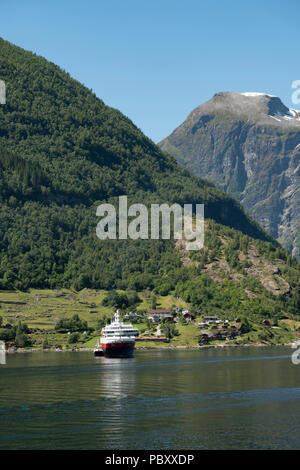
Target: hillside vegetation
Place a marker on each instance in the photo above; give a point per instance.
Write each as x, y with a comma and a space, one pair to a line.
63, 152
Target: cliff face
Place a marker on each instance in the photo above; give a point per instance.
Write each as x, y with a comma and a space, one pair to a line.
248, 144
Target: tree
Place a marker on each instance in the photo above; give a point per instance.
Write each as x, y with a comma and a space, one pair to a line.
116, 300
102, 322
74, 338
71, 324
173, 330
21, 338
245, 326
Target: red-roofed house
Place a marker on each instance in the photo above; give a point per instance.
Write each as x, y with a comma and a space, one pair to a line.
188, 317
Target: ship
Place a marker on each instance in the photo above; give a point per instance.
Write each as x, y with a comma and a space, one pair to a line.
117, 339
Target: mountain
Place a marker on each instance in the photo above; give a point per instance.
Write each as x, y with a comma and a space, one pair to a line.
63, 152
248, 144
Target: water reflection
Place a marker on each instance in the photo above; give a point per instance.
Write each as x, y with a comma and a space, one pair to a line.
2, 353
117, 377
2, 357
156, 400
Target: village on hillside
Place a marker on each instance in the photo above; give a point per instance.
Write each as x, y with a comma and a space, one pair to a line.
211, 328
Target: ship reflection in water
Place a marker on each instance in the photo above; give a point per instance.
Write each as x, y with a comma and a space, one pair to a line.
117, 377
2, 353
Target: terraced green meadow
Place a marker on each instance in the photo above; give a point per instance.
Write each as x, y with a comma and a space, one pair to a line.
41, 309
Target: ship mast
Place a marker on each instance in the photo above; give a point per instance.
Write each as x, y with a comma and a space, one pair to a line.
117, 317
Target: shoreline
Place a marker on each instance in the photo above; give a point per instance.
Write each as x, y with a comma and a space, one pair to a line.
166, 348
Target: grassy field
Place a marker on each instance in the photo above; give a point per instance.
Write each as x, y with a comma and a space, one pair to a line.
188, 335
41, 309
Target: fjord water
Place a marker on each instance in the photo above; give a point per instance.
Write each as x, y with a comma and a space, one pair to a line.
241, 398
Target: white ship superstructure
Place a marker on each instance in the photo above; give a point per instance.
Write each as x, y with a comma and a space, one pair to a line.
118, 338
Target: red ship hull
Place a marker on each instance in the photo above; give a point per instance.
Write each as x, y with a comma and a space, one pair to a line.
118, 349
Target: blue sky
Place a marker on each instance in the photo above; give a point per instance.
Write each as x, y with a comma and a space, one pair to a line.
157, 60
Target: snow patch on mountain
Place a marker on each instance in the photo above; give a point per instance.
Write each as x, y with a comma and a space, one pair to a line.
291, 115
256, 93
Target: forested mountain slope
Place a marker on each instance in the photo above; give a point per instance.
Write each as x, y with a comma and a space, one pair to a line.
63, 152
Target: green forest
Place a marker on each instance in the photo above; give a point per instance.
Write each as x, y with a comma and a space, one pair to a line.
62, 153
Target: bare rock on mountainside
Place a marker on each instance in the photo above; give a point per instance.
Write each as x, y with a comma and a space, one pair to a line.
248, 144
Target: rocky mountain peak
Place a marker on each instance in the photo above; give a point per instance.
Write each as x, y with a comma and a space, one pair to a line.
248, 144
252, 106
